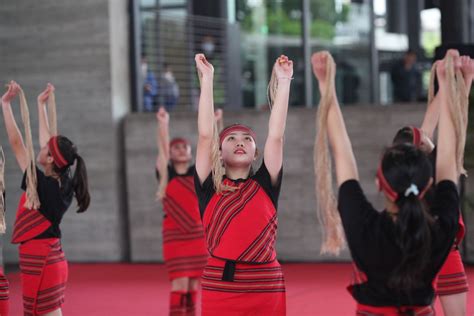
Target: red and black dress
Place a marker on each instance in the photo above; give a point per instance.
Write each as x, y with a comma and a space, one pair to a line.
4, 288
242, 275
370, 235
43, 266
184, 248
452, 278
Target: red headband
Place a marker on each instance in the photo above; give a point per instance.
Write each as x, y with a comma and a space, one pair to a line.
416, 136
385, 186
58, 157
179, 140
391, 194
234, 128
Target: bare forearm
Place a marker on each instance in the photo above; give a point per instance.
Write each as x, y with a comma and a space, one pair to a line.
206, 109
446, 158
14, 135
277, 121
163, 141
44, 134
430, 121
340, 143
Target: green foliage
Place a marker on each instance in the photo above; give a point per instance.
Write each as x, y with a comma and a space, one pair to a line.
430, 40
278, 20
322, 29
280, 23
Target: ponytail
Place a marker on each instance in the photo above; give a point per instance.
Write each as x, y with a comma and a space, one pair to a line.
413, 237
333, 236
80, 185
405, 175
68, 153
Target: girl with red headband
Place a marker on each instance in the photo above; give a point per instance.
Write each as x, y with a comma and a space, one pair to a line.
451, 282
239, 209
398, 252
184, 249
48, 195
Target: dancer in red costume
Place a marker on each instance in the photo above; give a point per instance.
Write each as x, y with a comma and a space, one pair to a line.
239, 207
4, 286
397, 253
184, 249
48, 194
451, 283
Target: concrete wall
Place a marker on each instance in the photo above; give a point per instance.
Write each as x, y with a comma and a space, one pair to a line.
299, 237
69, 43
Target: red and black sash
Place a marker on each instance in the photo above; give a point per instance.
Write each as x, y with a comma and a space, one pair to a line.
180, 203
241, 226
28, 223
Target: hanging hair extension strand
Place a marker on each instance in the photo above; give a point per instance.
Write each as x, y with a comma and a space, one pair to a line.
32, 199
333, 236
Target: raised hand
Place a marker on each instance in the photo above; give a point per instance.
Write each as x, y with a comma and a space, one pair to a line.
441, 64
162, 116
12, 92
205, 68
44, 95
467, 69
283, 68
320, 61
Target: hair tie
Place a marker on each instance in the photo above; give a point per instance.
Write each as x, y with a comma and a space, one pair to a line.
412, 189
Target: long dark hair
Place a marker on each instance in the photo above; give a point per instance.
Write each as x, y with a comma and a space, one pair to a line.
405, 165
403, 136
79, 179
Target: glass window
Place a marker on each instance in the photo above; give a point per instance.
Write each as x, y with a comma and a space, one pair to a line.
343, 28
430, 31
148, 3
269, 29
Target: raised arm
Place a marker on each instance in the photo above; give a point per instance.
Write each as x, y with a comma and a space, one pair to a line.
273, 151
162, 138
44, 132
430, 120
446, 164
339, 141
205, 117
14, 135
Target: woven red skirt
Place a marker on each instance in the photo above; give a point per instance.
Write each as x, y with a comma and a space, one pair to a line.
185, 253
452, 277
256, 289
4, 294
366, 310
44, 274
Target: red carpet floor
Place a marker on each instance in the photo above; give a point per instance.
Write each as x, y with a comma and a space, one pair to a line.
142, 290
